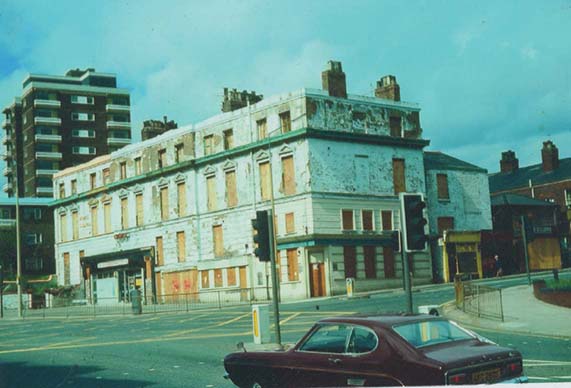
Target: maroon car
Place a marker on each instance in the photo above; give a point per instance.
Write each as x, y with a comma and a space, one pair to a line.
395, 350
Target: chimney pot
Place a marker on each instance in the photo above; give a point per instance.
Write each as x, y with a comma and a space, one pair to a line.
333, 80
549, 156
388, 88
509, 162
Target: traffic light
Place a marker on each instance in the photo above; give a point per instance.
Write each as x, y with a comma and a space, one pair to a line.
261, 235
415, 236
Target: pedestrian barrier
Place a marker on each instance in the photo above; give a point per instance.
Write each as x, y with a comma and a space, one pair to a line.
479, 300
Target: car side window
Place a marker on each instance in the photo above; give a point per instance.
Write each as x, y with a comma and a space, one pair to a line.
362, 341
328, 339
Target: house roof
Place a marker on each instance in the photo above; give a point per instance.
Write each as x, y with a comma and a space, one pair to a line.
518, 200
503, 181
436, 160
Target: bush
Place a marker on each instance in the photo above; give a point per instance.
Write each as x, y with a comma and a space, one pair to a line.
561, 285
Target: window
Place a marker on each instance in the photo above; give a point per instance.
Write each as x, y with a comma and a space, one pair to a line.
262, 126
228, 139
290, 223
62, 190
73, 186
178, 152
347, 219
63, 227
568, 198
368, 221
82, 100
442, 185
350, 261
32, 238
94, 226
265, 181
66, 271
370, 254
124, 213
231, 276
399, 176
74, 225
218, 240
387, 219
164, 198
83, 133
77, 150
107, 217
288, 175
285, 121
106, 176
162, 158
292, 265
208, 143
138, 169
180, 246
211, 193
218, 281
82, 116
139, 209
181, 199
395, 123
445, 223
123, 170
328, 339
160, 254
205, 281
231, 195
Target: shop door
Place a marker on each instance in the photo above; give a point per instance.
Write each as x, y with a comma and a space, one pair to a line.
243, 285
316, 274
107, 290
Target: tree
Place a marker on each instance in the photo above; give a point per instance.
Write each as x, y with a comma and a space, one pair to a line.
8, 251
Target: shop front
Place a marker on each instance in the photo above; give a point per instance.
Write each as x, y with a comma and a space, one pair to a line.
462, 255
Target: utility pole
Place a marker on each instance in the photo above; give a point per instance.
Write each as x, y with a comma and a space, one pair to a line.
524, 237
275, 297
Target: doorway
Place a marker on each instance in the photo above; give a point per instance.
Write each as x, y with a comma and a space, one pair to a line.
316, 274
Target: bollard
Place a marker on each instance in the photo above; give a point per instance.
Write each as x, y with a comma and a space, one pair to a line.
261, 323
350, 284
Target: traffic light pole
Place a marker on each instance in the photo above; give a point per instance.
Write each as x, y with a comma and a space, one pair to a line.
407, 285
275, 296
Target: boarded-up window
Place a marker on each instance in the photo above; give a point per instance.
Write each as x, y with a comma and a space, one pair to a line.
292, 265
211, 193
94, 224
290, 223
370, 262
180, 247
445, 223
181, 199
63, 227
107, 217
162, 158
288, 175
228, 139
285, 121
399, 176
204, 277
347, 219
74, 226
231, 195
62, 190
73, 186
442, 185
262, 126
208, 144
160, 253
178, 152
139, 208
389, 262
265, 181
138, 166
231, 276
387, 219
350, 261
218, 240
367, 220
106, 176
396, 126
218, 281
124, 213
164, 198
92, 181
123, 169
66, 270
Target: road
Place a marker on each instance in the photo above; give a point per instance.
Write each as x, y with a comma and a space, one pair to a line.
186, 349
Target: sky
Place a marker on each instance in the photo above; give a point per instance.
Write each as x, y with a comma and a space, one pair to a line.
489, 76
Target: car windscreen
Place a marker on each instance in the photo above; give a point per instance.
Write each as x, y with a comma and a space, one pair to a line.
425, 333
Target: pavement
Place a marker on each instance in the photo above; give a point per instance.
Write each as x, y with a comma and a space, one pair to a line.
523, 313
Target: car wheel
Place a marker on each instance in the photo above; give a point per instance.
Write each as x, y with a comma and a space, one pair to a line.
253, 384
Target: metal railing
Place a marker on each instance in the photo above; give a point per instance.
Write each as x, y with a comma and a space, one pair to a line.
481, 301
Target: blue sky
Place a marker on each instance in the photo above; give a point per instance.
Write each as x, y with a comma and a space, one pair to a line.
489, 76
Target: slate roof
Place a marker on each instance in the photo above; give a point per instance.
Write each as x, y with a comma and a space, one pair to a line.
503, 181
436, 160
518, 200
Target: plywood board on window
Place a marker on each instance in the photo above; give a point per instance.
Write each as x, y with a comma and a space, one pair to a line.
231, 196
288, 175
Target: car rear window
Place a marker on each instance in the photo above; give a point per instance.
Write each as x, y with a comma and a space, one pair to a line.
432, 332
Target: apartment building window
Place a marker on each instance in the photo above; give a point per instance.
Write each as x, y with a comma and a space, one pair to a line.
73, 186
32, 239
138, 169
123, 170
79, 150
389, 262
160, 254
62, 190
290, 223
445, 223
162, 158
368, 219
228, 139
218, 240
395, 123
83, 133
204, 278
66, 270
211, 193
92, 180
208, 143
285, 121
369, 253
74, 225
180, 247
82, 100
350, 262
164, 198
124, 213
231, 195
231, 276
94, 225
139, 208
387, 219
107, 217
63, 227
181, 199
347, 222
82, 116
568, 198
292, 265
262, 126
265, 181
106, 176
399, 176
218, 281
178, 152
288, 175
442, 186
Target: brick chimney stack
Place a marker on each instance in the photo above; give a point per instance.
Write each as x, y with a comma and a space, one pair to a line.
549, 156
388, 88
333, 80
509, 162
234, 99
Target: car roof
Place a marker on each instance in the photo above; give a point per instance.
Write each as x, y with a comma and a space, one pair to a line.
380, 320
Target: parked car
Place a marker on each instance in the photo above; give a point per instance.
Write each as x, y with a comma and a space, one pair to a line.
387, 350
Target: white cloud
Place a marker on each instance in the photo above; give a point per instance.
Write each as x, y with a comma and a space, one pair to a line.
529, 53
